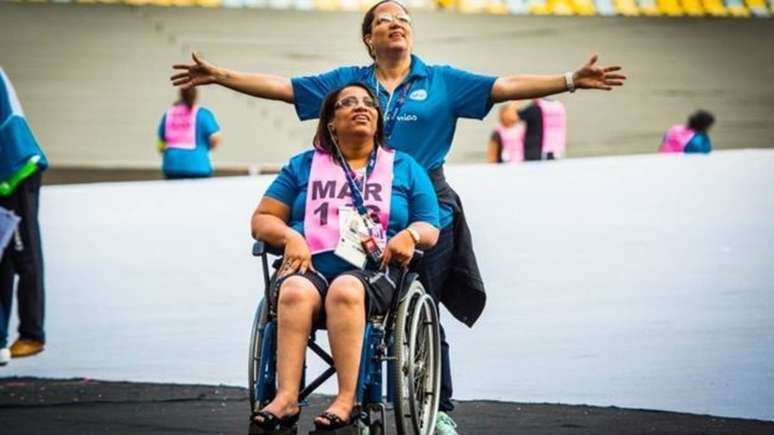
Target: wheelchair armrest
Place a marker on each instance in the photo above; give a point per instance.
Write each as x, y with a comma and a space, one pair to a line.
418, 254
262, 248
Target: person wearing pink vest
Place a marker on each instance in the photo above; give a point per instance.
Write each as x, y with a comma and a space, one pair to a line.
692, 137
507, 142
554, 128
350, 183
187, 133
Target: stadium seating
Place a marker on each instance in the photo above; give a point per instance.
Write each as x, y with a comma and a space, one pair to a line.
605, 8
630, 8
758, 8
737, 9
649, 8
627, 8
715, 8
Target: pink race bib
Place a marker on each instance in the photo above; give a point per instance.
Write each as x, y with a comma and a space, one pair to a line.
328, 190
512, 140
554, 127
675, 139
180, 127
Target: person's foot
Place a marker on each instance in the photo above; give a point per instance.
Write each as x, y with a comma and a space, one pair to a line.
26, 347
285, 414
444, 425
5, 356
337, 415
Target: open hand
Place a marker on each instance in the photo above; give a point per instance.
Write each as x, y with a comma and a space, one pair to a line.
592, 76
200, 72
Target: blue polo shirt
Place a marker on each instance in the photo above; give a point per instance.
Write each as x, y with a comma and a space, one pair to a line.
699, 143
195, 162
425, 124
412, 200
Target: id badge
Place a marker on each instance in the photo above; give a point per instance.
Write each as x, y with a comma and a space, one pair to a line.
351, 230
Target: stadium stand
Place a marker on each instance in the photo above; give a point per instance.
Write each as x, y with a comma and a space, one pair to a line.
758, 8
671, 8
605, 8
649, 8
627, 8
86, 72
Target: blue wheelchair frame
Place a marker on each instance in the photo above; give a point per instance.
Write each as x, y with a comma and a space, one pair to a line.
376, 349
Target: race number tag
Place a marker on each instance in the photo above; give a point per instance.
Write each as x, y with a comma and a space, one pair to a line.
352, 229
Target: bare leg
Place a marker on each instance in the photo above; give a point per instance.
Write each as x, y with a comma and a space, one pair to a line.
345, 311
299, 303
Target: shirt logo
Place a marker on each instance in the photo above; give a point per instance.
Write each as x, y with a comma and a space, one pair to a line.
419, 95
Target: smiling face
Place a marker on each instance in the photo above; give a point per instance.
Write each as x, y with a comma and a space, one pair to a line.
390, 29
355, 113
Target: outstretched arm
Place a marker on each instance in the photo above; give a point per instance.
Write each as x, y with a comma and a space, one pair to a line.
202, 72
589, 76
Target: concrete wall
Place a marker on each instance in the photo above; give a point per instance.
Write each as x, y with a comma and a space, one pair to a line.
93, 79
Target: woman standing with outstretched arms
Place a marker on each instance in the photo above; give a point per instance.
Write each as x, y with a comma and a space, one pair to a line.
421, 105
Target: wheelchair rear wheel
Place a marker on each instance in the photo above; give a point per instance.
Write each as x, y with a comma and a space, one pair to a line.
417, 351
254, 353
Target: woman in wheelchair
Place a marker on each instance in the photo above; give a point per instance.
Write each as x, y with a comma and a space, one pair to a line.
349, 214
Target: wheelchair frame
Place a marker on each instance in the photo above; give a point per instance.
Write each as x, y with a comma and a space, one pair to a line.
406, 339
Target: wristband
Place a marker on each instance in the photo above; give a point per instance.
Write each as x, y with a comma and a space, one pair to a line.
569, 82
414, 235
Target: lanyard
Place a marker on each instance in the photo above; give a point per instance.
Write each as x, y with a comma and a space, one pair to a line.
391, 117
357, 191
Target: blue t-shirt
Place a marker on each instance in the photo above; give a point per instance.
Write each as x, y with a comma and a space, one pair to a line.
17, 143
425, 124
195, 162
413, 200
699, 143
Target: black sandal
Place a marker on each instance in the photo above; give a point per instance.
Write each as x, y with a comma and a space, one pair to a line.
334, 422
271, 423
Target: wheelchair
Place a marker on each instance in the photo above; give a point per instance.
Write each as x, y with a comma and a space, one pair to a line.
402, 346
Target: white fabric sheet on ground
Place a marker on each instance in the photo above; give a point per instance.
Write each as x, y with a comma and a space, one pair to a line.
641, 281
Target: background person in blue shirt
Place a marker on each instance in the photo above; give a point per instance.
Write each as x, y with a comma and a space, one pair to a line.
194, 161
700, 122
350, 127
422, 104
21, 165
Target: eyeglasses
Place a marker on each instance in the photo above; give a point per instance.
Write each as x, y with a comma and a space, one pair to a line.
350, 102
389, 19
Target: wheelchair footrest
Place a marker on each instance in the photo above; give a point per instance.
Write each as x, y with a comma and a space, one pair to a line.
257, 430
352, 429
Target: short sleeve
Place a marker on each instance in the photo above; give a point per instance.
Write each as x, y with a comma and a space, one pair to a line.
423, 203
285, 188
309, 91
469, 94
208, 122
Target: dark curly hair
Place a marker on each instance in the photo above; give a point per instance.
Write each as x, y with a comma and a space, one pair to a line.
322, 138
701, 121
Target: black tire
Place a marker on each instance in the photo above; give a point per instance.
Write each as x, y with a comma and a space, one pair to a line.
416, 347
254, 353
376, 428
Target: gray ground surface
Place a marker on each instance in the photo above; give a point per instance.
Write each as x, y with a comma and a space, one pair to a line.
94, 78
637, 281
32, 406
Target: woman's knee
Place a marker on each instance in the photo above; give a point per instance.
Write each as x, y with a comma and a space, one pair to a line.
346, 290
297, 290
